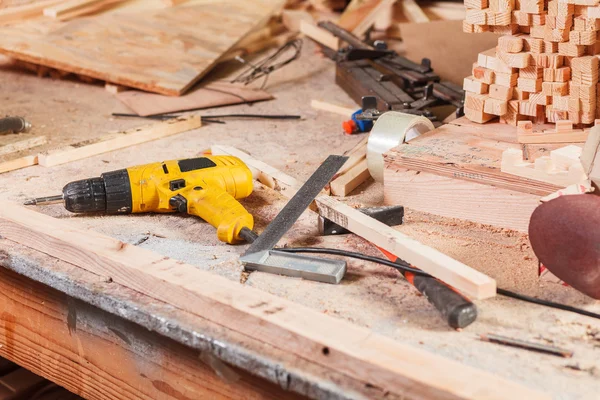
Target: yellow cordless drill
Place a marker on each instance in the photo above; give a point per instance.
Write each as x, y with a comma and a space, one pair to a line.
206, 186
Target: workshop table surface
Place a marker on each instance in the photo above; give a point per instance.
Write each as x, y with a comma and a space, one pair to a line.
62, 322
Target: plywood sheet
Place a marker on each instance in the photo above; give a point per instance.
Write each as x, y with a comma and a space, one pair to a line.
164, 51
213, 94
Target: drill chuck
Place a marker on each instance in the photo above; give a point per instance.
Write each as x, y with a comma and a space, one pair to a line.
110, 193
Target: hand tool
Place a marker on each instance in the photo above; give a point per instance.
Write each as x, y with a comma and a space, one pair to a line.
564, 235
14, 125
207, 187
389, 215
260, 254
457, 310
397, 83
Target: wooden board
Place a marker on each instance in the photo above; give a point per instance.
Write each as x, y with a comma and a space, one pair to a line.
119, 140
164, 51
457, 198
350, 349
465, 152
213, 94
67, 341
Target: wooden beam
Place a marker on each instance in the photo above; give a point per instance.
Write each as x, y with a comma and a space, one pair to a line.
20, 13
352, 350
118, 141
458, 198
319, 35
23, 145
334, 108
66, 339
454, 273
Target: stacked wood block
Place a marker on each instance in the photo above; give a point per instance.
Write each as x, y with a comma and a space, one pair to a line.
545, 66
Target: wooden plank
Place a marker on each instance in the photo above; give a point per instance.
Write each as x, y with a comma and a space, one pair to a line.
334, 108
360, 15
457, 198
18, 163
190, 40
213, 94
23, 145
63, 340
172, 3
118, 141
20, 13
319, 35
337, 344
456, 274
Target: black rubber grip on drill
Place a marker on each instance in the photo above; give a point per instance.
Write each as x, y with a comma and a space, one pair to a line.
456, 309
118, 191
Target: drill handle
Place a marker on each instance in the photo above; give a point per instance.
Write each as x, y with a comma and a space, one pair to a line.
221, 210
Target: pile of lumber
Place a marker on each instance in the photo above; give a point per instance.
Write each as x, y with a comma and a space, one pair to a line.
545, 67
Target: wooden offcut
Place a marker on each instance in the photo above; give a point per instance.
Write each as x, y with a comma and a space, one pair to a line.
355, 351
111, 142
163, 50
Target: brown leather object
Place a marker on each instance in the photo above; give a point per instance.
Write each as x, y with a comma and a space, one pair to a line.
565, 236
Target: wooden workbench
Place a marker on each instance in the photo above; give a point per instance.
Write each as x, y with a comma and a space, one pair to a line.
102, 340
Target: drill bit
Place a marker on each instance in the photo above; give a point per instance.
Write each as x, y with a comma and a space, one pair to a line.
44, 200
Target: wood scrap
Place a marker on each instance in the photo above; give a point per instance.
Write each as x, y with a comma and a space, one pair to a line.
334, 108
126, 61
24, 144
292, 19
395, 367
319, 35
344, 184
360, 15
18, 163
117, 141
212, 94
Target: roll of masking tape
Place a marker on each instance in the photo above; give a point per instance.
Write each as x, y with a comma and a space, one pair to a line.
390, 130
